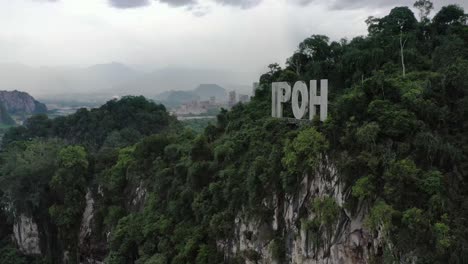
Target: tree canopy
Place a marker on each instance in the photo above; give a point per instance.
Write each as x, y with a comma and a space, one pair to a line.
396, 137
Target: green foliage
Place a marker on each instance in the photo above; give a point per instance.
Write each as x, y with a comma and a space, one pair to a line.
368, 134
398, 143
10, 255
302, 154
198, 125
5, 118
363, 188
443, 238
26, 170
114, 179
277, 248
91, 128
449, 15
69, 187
380, 216
326, 210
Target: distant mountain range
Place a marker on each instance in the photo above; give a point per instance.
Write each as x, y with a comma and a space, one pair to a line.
107, 80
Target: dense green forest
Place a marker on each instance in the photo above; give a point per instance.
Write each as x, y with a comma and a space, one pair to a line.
396, 132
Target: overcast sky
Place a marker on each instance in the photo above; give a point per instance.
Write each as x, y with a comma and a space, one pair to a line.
239, 35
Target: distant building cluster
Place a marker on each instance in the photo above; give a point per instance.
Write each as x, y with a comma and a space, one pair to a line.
197, 107
244, 98
234, 99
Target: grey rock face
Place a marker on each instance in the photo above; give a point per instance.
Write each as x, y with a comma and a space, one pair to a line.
92, 250
349, 242
88, 214
26, 235
21, 102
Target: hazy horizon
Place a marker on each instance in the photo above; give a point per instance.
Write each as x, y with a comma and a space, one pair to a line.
52, 47
115, 78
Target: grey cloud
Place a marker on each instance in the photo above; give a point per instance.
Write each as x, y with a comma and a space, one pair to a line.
177, 3
244, 4
302, 2
191, 5
353, 4
356, 4
128, 3
142, 3
199, 10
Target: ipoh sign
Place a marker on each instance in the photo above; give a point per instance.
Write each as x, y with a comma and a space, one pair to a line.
314, 100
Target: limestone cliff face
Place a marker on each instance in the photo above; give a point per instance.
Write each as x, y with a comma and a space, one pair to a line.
26, 235
92, 250
21, 102
92, 244
347, 242
254, 240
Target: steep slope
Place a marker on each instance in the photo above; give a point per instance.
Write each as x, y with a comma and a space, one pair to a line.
45, 198
115, 123
382, 180
21, 102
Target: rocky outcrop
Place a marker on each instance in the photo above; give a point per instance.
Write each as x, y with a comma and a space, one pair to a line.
282, 237
92, 249
30, 237
93, 245
88, 214
21, 102
26, 235
136, 196
348, 241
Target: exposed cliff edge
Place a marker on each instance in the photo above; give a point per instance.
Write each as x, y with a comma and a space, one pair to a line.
26, 235
343, 240
383, 180
21, 102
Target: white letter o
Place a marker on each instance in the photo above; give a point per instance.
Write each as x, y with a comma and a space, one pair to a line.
299, 87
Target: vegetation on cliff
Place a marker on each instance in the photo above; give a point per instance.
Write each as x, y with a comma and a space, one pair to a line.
395, 132
5, 118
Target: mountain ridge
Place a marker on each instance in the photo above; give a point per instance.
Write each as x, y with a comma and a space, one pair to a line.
17, 102
111, 79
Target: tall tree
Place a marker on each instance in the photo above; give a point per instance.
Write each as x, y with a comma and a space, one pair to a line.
424, 7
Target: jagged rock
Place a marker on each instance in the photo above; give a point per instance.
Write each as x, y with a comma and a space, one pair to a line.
350, 242
138, 195
21, 102
26, 235
92, 250
88, 214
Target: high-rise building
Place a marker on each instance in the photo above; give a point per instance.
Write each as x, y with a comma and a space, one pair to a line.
255, 87
232, 98
243, 98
